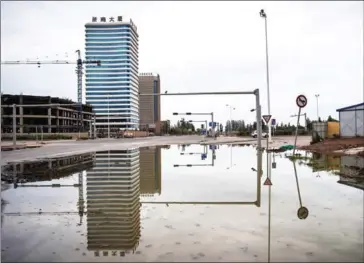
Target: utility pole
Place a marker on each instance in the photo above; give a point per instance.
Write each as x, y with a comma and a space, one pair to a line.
317, 107
264, 15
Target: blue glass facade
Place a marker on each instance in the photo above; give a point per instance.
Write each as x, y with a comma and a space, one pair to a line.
112, 88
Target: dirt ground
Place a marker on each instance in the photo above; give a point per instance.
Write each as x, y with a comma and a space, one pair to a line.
330, 146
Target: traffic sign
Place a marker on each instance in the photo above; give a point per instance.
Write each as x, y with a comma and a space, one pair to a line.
267, 118
301, 101
274, 165
210, 124
274, 122
302, 212
212, 147
267, 181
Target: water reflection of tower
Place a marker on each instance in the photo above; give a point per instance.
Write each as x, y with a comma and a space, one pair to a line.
113, 207
150, 171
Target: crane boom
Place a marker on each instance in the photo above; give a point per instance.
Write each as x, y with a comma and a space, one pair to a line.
49, 62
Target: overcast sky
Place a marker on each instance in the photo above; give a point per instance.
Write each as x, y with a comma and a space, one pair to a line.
314, 48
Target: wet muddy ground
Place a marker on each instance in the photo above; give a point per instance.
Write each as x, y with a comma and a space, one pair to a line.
132, 216
338, 146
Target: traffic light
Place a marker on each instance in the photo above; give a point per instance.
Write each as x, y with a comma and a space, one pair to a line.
188, 113
175, 113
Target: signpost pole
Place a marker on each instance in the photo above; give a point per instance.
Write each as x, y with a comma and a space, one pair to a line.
212, 125
301, 102
302, 212
298, 123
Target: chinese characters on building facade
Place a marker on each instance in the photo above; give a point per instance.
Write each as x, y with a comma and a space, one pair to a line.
112, 19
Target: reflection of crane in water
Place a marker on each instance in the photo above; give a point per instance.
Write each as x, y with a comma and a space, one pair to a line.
81, 201
79, 70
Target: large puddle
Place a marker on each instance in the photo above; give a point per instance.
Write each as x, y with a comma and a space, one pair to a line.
185, 203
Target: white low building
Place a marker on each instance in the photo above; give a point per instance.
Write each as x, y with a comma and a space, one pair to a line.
352, 120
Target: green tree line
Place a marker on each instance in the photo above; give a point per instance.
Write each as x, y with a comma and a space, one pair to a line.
240, 127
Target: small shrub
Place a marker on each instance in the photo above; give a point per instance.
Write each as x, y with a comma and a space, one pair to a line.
315, 138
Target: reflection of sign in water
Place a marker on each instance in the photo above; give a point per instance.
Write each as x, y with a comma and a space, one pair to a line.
212, 147
268, 182
302, 213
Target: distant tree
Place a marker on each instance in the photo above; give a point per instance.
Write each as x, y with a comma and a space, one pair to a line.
331, 119
309, 124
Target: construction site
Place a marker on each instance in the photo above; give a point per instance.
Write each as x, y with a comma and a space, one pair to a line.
43, 115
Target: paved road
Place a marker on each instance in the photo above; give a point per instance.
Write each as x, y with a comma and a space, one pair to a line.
64, 148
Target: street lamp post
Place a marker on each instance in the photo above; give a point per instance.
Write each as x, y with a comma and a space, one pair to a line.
264, 15
231, 124
317, 107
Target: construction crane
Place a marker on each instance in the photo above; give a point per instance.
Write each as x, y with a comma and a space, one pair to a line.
79, 68
79, 71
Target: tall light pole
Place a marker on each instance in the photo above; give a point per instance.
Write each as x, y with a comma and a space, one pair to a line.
317, 96
264, 15
231, 124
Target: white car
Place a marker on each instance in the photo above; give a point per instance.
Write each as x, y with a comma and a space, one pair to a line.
255, 134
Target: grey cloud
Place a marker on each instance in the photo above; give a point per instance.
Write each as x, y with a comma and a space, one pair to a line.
315, 47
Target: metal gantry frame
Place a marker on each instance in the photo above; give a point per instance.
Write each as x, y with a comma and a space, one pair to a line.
204, 113
259, 142
203, 122
257, 202
199, 164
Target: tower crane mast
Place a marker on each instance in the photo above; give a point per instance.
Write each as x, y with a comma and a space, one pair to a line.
79, 68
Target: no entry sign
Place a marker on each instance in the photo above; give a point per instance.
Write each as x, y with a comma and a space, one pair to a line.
301, 101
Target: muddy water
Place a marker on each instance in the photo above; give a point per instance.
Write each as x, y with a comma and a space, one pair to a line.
49, 224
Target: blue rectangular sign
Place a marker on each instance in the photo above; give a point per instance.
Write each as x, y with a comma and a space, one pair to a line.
210, 124
274, 122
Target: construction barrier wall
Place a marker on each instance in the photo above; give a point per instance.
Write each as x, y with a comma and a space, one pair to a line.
319, 128
333, 128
